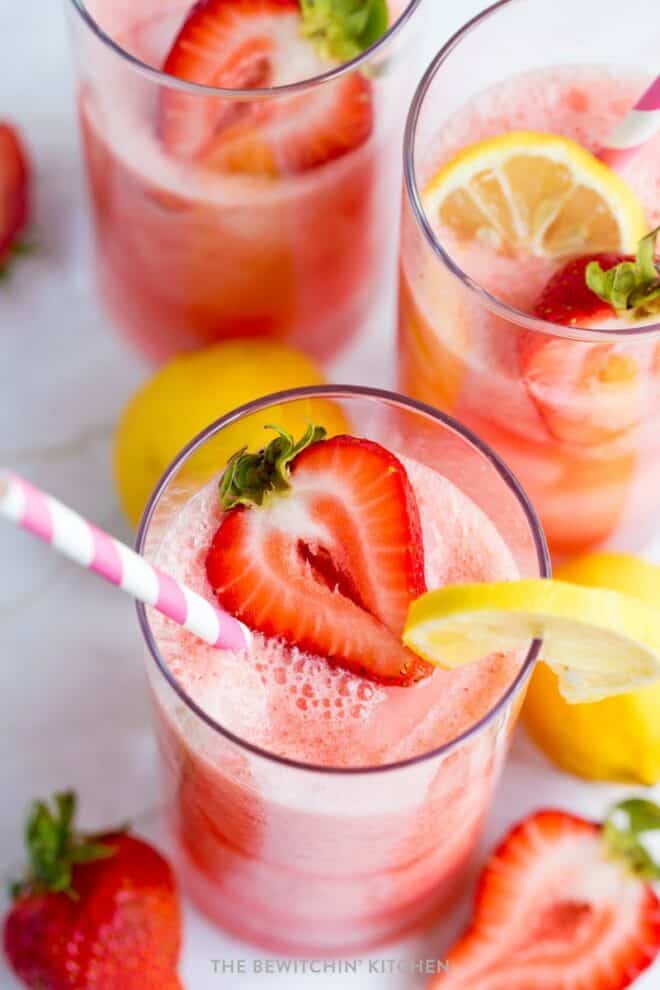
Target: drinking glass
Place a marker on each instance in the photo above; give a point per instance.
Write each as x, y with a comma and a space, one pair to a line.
573, 412
321, 860
190, 250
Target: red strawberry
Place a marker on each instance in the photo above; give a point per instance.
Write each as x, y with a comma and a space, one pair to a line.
591, 393
563, 904
14, 179
332, 566
94, 914
568, 300
254, 44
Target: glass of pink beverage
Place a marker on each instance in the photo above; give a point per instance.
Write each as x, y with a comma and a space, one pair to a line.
573, 410
249, 189
316, 810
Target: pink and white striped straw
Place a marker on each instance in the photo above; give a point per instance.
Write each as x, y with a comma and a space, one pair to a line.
635, 130
82, 542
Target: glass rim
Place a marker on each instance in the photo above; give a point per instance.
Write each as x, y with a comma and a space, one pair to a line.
500, 308
345, 392
183, 85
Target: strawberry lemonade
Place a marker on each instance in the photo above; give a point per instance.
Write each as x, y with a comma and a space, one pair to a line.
242, 176
328, 785
505, 320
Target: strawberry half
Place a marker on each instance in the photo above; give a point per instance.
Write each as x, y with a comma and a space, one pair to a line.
257, 44
14, 181
592, 393
563, 903
321, 546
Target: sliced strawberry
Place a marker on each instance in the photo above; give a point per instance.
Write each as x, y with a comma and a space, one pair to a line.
257, 44
591, 393
556, 909
14, 180
361, 493
333, 566
586, 393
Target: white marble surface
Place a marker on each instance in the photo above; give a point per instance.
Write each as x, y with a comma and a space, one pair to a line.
73, 707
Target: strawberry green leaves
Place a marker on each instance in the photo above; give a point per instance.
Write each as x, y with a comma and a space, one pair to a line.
633, 286
18, 250
625, 832
250, 479
342, 29
55, 848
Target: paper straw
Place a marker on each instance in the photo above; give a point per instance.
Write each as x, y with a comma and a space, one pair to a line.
84, 543
635, 130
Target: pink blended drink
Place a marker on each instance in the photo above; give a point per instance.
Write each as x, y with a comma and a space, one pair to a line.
328, 786
242, 180
572, 410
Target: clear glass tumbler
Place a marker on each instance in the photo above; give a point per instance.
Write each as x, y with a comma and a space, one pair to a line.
321, 860
193, 246
573, 412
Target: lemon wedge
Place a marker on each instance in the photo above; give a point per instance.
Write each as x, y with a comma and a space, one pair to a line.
599, 643
535, 193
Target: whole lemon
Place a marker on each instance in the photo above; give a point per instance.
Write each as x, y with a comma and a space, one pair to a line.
191, 392
617, 739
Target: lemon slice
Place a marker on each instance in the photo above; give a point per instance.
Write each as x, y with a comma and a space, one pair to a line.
535, 193
599, 643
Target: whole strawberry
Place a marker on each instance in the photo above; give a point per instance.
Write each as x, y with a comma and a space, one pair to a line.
605, 291
14, 194
94, 912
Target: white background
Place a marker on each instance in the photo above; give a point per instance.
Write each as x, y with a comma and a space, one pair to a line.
73, 709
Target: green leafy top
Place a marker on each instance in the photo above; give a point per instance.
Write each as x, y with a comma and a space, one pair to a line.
342, 29
54, 848
251, 479
624, 832
17, 250
633, 287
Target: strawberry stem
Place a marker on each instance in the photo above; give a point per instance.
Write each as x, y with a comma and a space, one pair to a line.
341, 30
633, 287
54, 848
625, 830
252, 479
17, 250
